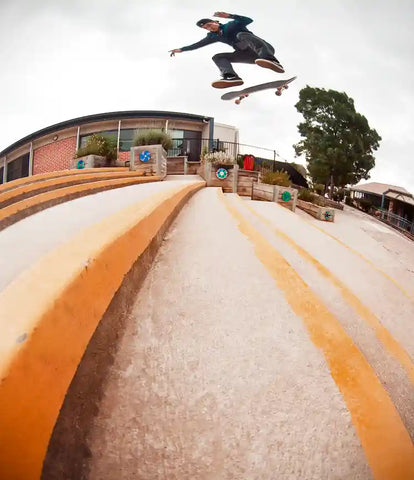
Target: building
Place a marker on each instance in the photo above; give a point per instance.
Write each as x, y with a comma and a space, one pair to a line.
53, 148
395, 204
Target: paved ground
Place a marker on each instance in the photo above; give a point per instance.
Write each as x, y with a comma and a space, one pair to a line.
264, 344
261, 347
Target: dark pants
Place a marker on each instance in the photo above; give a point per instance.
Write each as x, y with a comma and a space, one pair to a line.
248, 49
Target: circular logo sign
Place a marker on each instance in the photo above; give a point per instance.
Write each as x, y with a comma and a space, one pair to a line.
80, 164
328, 215
145, 156
222, 173
286, 196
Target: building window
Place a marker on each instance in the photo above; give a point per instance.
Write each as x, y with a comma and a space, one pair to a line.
186, 142
1, 174
126, 138
106, 133
18, 168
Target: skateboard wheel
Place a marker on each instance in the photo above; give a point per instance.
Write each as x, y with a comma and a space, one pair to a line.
278, 93
286, 86
237, 102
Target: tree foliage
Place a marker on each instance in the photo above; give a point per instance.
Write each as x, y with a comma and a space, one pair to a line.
338, 142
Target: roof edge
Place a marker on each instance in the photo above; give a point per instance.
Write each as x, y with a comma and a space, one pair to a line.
127, 114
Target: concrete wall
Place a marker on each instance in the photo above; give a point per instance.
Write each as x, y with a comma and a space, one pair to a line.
226, 133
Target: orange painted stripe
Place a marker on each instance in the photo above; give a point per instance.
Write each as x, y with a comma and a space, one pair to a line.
65, 296
372, 264
46, 197
60, 173
383, 335
386, 442
56, 182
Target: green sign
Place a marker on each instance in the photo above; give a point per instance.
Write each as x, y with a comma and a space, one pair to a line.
222, 173
286, 196
328, 215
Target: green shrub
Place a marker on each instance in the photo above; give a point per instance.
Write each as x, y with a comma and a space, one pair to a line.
154, 137
348, 201
219, 158
339, 195
365, 204
276, 178
99, 145
267, 167
319, 188
306, 195
318, 200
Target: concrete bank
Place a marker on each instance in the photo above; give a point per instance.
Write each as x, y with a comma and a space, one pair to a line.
51, 307
233, 366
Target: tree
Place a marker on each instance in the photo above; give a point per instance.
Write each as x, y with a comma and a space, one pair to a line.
338, 142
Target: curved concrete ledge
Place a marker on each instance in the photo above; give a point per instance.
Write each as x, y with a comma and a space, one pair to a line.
29, 190
19, 210
45, 336
59, 173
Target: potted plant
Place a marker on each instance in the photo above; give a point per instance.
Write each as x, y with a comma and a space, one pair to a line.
220, 159
149, 151
276, 178
154, 137
99, 151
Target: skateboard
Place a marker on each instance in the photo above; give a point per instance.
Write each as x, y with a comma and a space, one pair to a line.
278, 85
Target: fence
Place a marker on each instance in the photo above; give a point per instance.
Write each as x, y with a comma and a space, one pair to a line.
394, 220
193, 147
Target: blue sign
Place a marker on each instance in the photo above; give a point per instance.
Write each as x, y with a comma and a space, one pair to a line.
145, 156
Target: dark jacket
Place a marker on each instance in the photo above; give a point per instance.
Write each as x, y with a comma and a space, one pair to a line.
227, 33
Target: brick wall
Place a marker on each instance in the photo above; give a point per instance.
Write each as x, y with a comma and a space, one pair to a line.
124, 156
55, 156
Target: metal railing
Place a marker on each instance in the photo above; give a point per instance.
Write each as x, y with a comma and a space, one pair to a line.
193, 148
394, 220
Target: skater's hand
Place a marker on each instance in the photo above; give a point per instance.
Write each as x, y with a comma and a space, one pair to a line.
222, 14
173, 52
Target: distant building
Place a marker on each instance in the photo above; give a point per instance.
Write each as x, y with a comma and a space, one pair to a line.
396, 201
53, 148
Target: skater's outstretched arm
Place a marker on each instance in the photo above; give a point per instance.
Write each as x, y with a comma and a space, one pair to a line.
237, 18
202, 43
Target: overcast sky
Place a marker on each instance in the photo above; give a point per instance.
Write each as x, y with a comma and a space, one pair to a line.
62, 59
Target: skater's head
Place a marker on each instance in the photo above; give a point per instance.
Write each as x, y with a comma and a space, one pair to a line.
208, 24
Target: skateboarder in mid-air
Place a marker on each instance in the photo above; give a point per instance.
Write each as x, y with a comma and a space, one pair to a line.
247, 47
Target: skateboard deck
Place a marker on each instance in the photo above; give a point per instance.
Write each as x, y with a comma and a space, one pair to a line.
278, 85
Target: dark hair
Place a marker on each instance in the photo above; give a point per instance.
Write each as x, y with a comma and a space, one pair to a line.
203, 21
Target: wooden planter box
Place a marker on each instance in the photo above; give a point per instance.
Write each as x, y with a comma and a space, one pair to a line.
89, 161
154, 163
321, 213
275, 193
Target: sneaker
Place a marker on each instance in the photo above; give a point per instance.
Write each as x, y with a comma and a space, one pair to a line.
228, 80
272, 64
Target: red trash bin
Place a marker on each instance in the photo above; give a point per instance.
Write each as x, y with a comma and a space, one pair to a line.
248, 162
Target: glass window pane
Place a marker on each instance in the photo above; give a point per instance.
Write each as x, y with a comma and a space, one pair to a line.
18, 168
106, 133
